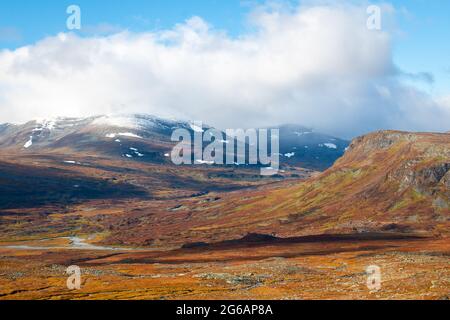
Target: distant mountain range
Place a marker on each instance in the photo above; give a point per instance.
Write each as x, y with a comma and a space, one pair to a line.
301, 146
140, 137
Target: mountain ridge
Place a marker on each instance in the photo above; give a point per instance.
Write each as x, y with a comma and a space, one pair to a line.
148, 138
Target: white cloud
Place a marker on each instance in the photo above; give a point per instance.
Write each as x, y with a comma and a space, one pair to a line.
314, 65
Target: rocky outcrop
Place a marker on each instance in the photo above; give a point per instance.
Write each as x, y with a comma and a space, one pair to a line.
431, 176
445, 181
423, 178
381, 140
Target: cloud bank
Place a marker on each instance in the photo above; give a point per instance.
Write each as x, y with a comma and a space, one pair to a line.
314, 65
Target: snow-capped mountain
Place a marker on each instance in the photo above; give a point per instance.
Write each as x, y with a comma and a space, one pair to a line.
143, 137
307, 148
130, 136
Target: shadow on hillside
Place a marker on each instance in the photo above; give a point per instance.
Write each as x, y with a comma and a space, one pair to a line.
29, 187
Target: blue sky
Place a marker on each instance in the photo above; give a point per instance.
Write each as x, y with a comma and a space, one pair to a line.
425, 44
37, 18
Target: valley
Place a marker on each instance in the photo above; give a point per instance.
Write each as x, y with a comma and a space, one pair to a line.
143, 228
411, 269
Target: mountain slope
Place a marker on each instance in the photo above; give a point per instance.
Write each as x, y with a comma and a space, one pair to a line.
386, 182
130, 136
148, 138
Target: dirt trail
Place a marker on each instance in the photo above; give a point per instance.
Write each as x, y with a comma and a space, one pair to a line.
76, 243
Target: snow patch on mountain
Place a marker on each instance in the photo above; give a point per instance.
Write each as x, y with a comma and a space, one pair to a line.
130, 135
29, 143
289, 155
122, 134
136, 152
72, 162
134, 121
330, 145
119, 121
205, 162
43, 124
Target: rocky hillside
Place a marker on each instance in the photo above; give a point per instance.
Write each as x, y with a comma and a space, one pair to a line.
399, 181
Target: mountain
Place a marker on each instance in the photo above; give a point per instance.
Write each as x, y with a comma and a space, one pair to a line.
56, 163
387, 182
141, 137
301, 146
130, 136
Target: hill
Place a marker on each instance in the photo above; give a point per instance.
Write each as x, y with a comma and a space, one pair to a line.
388, 182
